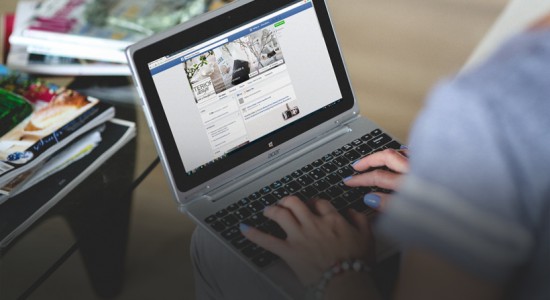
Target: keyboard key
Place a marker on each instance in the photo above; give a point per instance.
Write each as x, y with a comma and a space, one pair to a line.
394, 145
267, 200
232, 207
329, 167
343, 186
364, 149
277, 184
317, 174
286, 179
218, 226
327, 158
252, 250
280, 193
346, 148
243, 202
333, 178
309, 192
301, 196
240, 243
265, 190
357, 142
334, 191
307, 168
222, 213
293, 187
337, 152
367, 137
352, 155
359, 206
341, 161
321, 185
256, 220
345, 172
242, 213
231, 233
264, 259
297, 173
274, 229
254, 196
255, 206
210, 219
338, 203
305, 180
376, 132
230, 220
324, 195
379, 141
317, 163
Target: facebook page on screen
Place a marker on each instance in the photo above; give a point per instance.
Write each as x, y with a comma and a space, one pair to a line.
227, 92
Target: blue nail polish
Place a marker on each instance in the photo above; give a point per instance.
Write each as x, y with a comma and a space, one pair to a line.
404, 147
347, 178
243, 227
354, 163
372, 200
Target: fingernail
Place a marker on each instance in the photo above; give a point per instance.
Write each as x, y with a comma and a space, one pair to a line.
347, 178
356, 162
372, 200
403, 147
243, 227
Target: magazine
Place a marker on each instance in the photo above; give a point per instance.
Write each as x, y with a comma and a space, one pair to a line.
46, 192
93, 29
37, 119
21, 60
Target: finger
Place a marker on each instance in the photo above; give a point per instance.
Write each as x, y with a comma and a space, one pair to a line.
322, 207
388, 158
283, 217
376, 201
380, 178
264, 240
298, 208
541, 24
360, 221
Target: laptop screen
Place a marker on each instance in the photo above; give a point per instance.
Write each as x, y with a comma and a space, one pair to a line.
231, 88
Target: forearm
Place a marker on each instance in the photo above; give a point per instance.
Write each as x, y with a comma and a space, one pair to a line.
352, 286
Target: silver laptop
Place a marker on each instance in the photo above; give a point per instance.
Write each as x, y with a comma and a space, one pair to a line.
248, 104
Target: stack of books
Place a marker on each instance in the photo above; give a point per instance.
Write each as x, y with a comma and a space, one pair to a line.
88, 37
44, 128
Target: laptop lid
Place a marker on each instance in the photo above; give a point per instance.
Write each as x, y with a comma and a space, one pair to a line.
238, 87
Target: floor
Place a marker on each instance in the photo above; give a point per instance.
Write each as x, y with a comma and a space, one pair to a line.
395, 51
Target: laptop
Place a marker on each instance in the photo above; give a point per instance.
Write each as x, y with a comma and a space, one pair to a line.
248, 104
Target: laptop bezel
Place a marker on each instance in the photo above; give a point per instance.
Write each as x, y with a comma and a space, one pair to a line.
206, 27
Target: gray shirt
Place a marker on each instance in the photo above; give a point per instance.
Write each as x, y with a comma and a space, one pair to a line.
478, 193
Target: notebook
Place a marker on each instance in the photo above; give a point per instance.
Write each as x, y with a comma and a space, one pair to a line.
248, 104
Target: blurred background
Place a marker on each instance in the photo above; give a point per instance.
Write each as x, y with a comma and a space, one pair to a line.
395, 51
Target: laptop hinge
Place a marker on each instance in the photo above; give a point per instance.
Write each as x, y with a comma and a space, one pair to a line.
269, 166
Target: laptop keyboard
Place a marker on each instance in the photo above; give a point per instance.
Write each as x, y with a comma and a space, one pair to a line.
321, 178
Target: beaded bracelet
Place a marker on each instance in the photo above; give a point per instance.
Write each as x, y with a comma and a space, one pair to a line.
317, 292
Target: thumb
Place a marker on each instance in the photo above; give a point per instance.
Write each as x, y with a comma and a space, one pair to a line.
376, 201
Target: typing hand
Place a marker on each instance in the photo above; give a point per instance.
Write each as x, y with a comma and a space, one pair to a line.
396, 163
317, 236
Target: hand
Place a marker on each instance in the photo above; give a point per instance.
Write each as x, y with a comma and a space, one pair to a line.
317, 236
397, 163
542, 23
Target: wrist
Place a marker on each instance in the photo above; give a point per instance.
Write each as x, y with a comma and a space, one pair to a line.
344, 269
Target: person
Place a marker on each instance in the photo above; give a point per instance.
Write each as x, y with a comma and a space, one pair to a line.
472, 202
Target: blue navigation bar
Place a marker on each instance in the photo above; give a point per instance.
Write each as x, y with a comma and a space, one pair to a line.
235, 36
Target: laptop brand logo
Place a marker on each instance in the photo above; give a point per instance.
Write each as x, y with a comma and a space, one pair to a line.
273, 154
